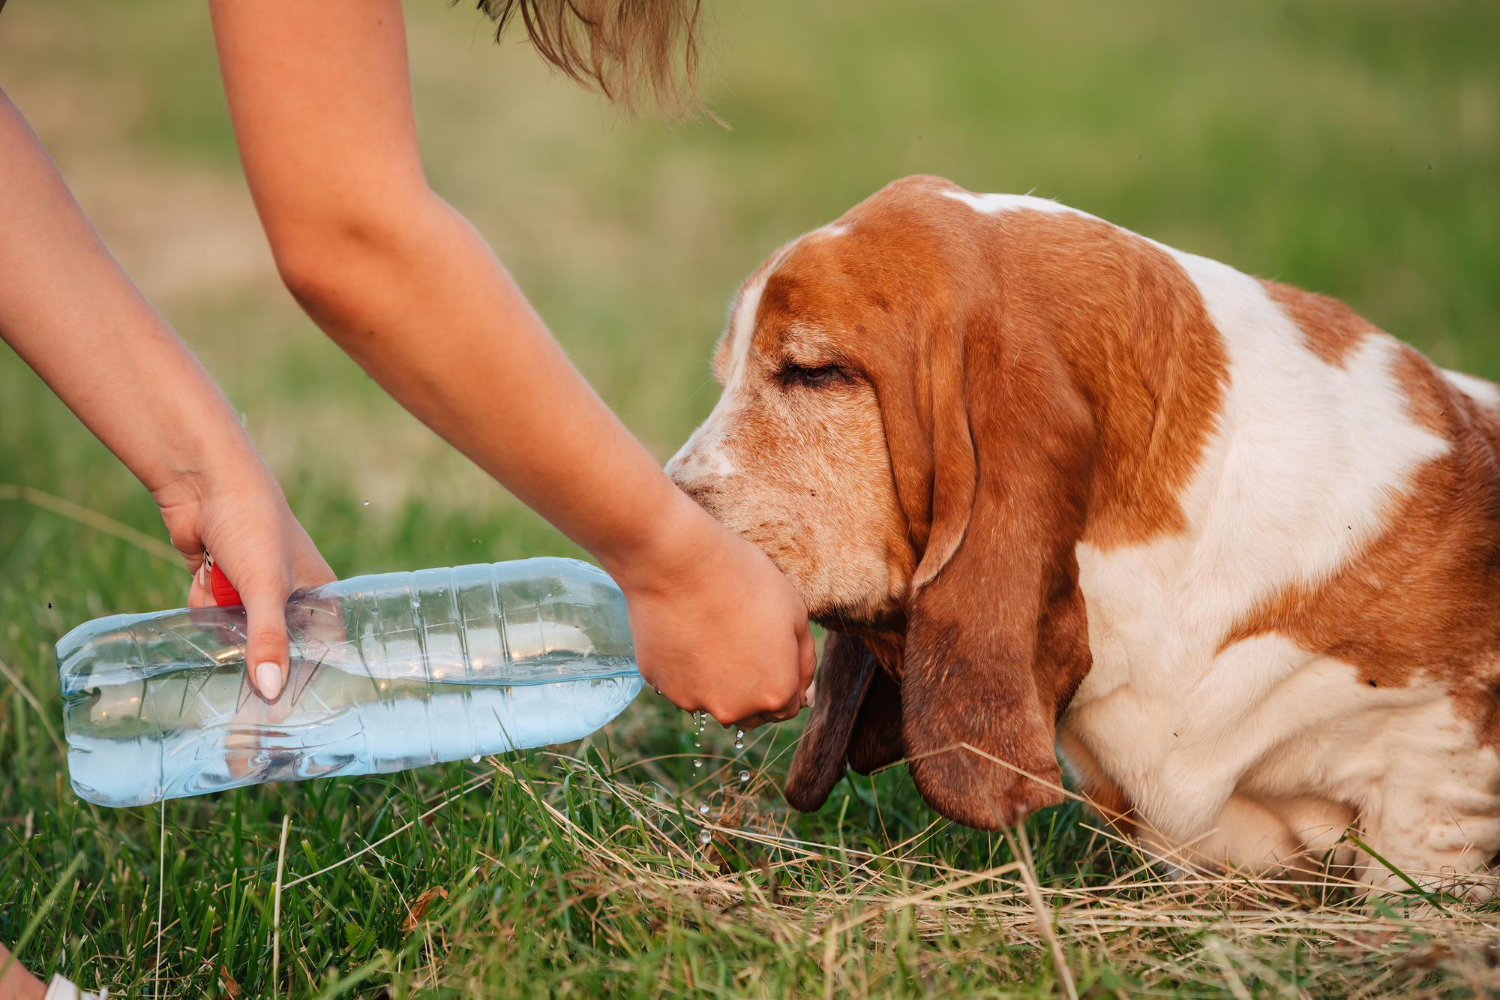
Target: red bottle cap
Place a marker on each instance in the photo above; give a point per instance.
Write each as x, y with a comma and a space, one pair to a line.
224, 593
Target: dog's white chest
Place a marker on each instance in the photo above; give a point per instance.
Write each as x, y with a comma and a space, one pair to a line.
1262, 750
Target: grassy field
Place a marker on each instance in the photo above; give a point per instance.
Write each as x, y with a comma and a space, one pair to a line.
1351, 147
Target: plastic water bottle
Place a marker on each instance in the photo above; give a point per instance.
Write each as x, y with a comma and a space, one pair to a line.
388, 672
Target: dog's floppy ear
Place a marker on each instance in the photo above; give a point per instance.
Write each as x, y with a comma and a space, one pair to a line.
856, 715
877, 741
997, 633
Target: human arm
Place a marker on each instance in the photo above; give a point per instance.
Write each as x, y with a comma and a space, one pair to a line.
320, 99
70, 312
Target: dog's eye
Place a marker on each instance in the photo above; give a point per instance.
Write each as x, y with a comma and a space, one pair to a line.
813, 378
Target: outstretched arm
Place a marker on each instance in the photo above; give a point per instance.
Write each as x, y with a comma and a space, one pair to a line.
321, 103
73, 315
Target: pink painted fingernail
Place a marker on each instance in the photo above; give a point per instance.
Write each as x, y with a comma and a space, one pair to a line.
268, 680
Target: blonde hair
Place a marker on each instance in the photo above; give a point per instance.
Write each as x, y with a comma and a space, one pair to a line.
623, 48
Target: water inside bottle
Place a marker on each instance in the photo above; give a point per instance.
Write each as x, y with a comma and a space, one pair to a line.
205, 730
387, 673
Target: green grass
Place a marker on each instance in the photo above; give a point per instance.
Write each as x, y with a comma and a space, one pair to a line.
1351, 147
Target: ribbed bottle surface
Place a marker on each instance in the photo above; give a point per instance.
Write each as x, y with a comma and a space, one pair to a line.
388, 672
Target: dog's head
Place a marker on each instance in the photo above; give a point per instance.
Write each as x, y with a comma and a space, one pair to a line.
900, 432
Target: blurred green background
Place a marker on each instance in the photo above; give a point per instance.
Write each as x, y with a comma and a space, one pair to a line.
1349, 146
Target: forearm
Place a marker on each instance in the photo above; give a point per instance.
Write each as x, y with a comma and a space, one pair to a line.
321, 104
418, 299
421, 303
74, 316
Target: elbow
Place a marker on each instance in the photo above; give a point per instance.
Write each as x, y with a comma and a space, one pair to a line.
320, 263
330, 262
308, 264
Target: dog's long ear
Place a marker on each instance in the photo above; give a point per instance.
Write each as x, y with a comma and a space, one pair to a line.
877, 740
997, 633
843, 678
856, 715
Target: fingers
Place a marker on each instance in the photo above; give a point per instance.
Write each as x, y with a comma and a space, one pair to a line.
726, 716
807, 650
777, 704
788, 710
200, 593
781, 713
266, 642
755, 722
769, 718
707, 648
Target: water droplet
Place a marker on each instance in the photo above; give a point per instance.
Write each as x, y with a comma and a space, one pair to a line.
656, 689
744, 776
474, 759
367, 503
704, 838
739, 734
697, 743
697, 763
703, 809
739, 744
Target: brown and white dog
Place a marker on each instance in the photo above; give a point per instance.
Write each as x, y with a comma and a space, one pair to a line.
1231, 549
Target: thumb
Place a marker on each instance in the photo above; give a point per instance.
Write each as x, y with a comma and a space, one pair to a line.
265, 639
807, 652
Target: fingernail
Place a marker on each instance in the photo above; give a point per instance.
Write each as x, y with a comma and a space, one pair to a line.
268, 679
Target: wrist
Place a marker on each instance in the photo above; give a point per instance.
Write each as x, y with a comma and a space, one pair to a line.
229, 468
673, 542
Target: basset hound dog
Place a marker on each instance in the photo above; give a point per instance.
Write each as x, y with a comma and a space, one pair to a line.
1054, 487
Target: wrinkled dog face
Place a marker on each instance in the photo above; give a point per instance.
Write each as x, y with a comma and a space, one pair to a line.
794, 456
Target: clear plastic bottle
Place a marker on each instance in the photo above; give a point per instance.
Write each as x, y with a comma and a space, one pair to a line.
388, 672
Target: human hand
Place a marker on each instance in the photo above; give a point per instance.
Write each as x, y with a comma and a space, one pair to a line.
716, 626
244, 521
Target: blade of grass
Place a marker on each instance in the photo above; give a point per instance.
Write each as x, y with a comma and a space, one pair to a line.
92, 519
286, 825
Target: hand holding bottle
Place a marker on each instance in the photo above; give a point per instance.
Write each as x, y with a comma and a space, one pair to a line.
244, 521
716, 626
